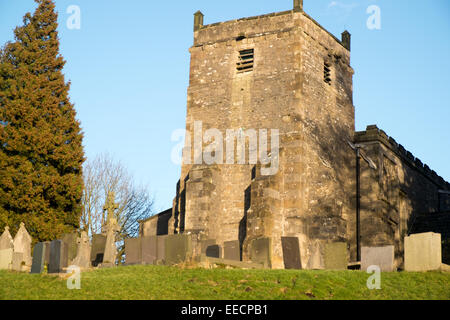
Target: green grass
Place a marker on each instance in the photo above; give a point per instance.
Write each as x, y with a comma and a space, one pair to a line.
168, 283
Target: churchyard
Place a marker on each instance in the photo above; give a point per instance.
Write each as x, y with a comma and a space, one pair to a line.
164, 267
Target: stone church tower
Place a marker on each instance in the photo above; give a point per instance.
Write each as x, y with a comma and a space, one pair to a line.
284, 72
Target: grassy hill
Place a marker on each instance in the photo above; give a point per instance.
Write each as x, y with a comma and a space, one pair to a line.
168, 283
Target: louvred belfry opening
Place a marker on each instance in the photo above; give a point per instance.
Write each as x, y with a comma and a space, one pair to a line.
246, 60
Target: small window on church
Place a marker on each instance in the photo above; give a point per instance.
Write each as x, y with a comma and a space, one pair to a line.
246, 58
327, 72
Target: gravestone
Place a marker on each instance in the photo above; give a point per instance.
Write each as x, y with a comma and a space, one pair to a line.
70, 240
335, 256
260, 251
231, 250
423, 252
58, 257
213, 251
98, 249
6, 241
383, 257
161, 248
47, 253
178, 248
109, 258
6, 250
82, 259
204, 244
38, 258
6, 257
291, 252
18, 263
149, 247
133, 251
22, 244
315, 259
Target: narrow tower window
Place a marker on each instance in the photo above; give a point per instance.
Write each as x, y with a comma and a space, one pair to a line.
246, 58
327, 72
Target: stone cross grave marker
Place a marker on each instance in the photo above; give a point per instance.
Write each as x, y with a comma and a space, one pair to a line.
110, 255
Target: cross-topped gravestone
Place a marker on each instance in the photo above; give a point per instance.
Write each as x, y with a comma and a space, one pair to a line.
110, 207
22, 244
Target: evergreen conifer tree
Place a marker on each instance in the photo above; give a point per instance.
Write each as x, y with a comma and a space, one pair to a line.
41, 153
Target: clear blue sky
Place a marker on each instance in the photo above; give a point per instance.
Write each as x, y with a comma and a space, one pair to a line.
129, 67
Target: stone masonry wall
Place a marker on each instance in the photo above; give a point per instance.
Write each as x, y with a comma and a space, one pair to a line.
395, 193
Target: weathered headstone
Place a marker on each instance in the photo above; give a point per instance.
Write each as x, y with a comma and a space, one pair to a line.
6, 241
260, 251
213, 251
315, 259
178, 248
161, 248
109, 258
6, 250
47, 253
82, 260
6, 257
423, 252
383, 257
18, 263
231, 250
133, 251
58, 257
98, 249
70, 239
335, 256
149, 247
38, 258
22, 244
291, 253
205, 244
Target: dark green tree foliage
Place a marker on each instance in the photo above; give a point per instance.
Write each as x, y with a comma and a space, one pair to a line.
41, 153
